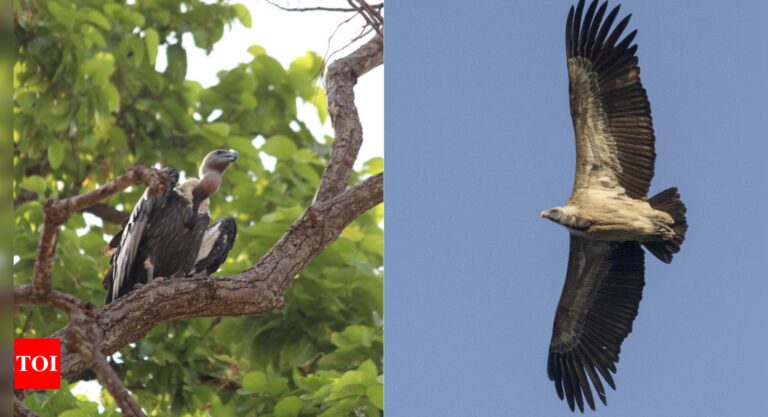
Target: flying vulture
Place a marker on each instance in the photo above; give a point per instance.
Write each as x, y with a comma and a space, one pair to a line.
168, 233
609, 216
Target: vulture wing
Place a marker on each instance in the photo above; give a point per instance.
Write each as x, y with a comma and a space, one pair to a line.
217, 242
600, 298
610, 110
131, 237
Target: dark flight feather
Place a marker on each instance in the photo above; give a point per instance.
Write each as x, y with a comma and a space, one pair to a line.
600, 300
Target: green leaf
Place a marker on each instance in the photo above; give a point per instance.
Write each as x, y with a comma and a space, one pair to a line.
279, 146
99, 19
341, 408
277, 385
354, 335
152, 41
219, 129
257, 50
111, 97
375, 393
255, 381
75, 413
99, 67
55, 154
243, 14
289, 407
308, 173
320, 102
60, 13
368, 369
374, 166
177, 63
34, 183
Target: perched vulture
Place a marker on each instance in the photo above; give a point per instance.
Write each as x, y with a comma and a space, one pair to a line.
168, 233
608, 215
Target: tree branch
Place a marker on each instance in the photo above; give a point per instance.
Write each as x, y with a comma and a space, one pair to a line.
372, 16
378, 6
23, 196
110, 380
348, 131
26, 295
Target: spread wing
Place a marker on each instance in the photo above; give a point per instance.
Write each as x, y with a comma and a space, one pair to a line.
130, 238
610, 109
600, 298
215, 247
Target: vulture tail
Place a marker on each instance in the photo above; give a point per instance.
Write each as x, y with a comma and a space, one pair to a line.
669, 201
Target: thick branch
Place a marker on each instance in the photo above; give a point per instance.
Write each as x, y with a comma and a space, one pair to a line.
256, 290
348, 132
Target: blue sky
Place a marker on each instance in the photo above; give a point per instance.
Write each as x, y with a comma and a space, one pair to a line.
479, 140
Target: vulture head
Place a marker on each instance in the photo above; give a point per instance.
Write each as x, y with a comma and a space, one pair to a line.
554, 214
567, 216
217, 162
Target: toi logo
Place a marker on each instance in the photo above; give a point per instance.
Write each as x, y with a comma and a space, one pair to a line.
36, 364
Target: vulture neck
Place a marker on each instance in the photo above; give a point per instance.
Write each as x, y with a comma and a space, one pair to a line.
209, 183
202, 189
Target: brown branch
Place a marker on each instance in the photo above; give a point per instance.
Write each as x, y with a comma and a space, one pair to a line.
107, 213
348, 131
378, 6
26, 295
256, 290
56, 213
23, 196
109, 379
372, 17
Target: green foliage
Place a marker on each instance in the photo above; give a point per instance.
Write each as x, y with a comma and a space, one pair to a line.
89, 103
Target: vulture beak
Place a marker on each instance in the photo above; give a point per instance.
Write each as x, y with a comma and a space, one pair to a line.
233, 155
544, 214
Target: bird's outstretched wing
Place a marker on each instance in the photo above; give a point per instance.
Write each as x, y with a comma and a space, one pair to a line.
130, 239
610, 109
215, 247
600, 298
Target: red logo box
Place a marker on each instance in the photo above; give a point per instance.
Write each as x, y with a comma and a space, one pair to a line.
37, 363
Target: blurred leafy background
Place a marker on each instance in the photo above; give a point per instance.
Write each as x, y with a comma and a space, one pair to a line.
90, 101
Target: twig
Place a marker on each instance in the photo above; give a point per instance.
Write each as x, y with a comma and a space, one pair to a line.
320, 8
371, 16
